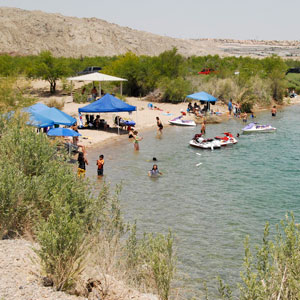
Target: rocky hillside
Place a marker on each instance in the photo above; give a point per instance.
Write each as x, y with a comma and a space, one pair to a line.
28, 32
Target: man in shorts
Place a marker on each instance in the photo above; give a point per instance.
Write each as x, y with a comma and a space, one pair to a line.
100, 164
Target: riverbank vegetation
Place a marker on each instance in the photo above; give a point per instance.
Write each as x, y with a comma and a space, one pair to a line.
41, 197
245, 80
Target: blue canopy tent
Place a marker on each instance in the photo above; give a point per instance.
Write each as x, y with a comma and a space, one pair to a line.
39, 121
203, 97
107, 104
57, 116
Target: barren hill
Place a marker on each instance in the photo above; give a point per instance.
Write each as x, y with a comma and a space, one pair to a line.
28, 32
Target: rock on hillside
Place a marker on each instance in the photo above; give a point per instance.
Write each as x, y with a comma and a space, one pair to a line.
28, 32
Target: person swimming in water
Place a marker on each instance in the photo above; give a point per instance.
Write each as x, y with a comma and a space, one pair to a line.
154, 171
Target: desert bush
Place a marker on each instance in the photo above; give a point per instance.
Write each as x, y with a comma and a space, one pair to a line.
273, 271
152, 261
56, 103
12, 94
63, 244
174, 90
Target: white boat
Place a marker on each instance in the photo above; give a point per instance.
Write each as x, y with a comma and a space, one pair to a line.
255, 127
226, 140
199, 142
180, 122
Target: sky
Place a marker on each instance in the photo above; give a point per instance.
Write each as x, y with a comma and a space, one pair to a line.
237, 19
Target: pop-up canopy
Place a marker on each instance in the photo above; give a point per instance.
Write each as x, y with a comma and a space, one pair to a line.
204, 97
107, 104
57, 116
98, 77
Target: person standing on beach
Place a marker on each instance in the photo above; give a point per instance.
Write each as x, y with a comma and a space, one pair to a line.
82, 161
100, 164
159, 125
230, 107
274, 111
136, 140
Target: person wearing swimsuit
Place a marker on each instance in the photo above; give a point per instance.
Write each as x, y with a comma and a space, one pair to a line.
136, 140
100, 164
159, 125
82, 161
274, 111
154, 171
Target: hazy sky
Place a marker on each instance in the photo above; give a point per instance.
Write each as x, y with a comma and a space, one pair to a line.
239, 19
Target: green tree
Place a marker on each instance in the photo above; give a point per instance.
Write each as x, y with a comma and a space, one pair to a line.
49, 68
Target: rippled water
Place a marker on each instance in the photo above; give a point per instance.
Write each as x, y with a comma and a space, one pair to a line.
211, 207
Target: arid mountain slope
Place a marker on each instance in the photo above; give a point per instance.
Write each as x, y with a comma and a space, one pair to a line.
28, 32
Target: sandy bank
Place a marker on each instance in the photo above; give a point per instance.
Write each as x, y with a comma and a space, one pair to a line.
20, 278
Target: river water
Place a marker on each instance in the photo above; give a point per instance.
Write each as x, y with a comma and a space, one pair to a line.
213, 206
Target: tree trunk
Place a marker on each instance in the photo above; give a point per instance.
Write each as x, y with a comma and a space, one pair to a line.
52, 87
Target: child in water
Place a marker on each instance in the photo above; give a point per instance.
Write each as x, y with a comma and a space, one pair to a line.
100, 164
154, 171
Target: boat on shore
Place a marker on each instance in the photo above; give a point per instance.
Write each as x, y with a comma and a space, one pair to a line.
180, 122
258, 128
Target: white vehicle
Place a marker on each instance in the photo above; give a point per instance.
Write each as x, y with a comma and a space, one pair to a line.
226, 140
178, 121
255, 127
199, 142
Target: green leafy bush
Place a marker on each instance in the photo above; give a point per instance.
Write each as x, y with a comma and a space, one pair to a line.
174, 90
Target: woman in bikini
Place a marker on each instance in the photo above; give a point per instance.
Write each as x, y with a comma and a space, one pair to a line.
136, 140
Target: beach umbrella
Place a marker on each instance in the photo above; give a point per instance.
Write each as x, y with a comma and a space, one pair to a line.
62, 132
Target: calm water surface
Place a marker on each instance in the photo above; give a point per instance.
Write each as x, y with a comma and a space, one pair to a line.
213, 206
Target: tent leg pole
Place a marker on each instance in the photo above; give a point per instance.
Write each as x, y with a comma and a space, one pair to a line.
121, 88
118, 126
100, 89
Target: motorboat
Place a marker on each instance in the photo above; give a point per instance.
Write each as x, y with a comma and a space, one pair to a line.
178, 121
255, 127
226, 140
199, 142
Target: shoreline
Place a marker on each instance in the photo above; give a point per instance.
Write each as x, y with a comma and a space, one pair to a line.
144, 117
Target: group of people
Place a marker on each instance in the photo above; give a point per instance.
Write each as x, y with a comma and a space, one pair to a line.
82, 162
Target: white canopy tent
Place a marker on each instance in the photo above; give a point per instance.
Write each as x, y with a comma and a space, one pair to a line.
98, 77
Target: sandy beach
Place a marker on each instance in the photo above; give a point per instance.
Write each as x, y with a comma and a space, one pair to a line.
144, 117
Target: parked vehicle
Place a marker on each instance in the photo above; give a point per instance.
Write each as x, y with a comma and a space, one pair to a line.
207, 72
293, 70
89, 70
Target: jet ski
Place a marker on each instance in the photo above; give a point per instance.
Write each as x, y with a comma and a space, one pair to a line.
178, 121
226, 140
199, 142
255, 127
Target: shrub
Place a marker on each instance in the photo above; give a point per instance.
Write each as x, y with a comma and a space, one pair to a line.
55, 103
63, 244
152, 261
174, 90
273, 272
